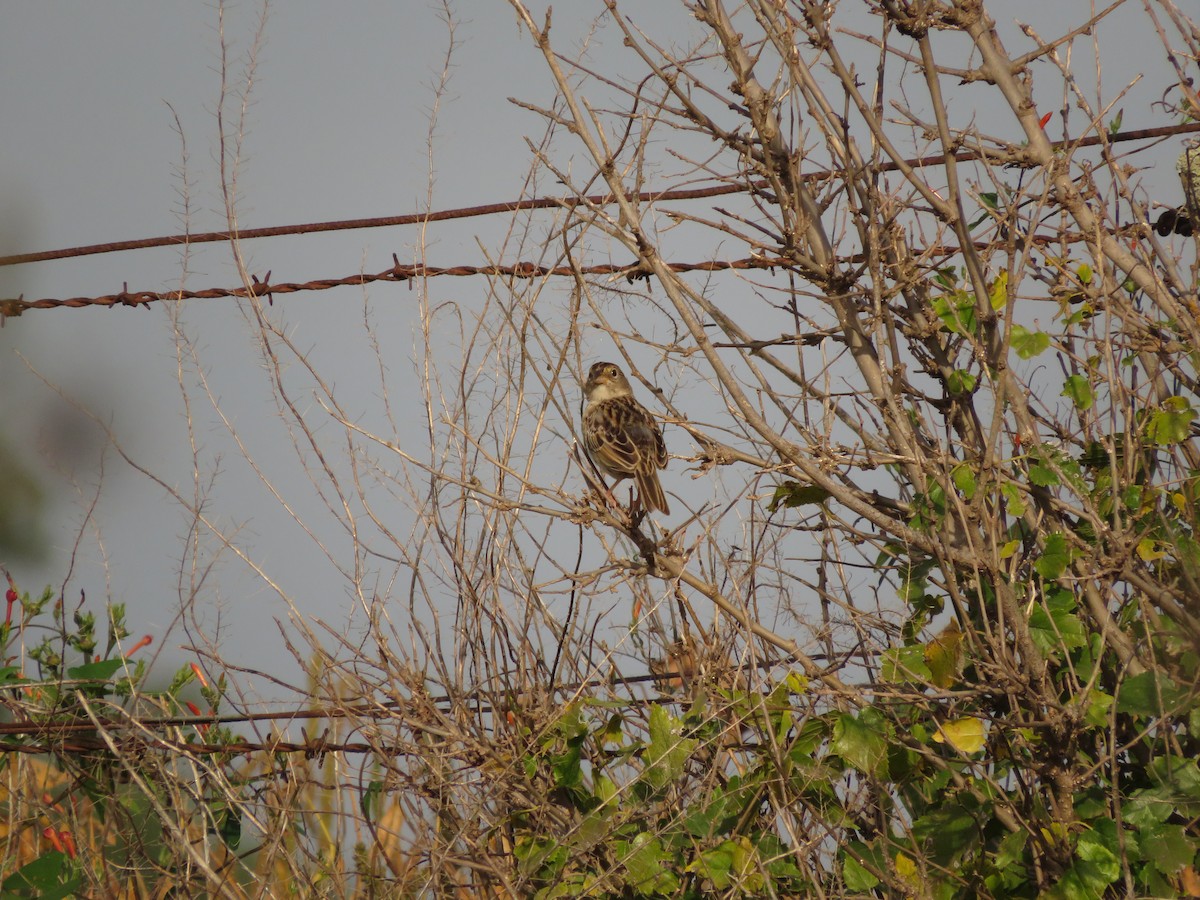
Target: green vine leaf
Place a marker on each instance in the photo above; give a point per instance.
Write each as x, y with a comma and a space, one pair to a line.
1028, 344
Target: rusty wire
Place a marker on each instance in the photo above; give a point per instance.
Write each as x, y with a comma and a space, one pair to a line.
466, 212
399, 272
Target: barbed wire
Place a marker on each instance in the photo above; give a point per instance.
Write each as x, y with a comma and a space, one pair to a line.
400, 272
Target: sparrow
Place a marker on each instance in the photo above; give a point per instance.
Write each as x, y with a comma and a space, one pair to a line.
621, 437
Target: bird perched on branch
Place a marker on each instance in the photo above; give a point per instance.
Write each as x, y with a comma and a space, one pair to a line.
621, 437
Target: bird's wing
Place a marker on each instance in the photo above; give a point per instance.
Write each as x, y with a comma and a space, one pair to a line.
622, 437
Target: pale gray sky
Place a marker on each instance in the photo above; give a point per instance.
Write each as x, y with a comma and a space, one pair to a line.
337, 128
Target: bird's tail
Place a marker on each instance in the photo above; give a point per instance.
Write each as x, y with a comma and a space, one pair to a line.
651, 495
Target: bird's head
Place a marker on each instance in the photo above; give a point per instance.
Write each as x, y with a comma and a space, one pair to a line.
606, 381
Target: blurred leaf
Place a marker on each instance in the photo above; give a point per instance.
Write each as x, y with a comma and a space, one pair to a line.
1148, 694
964, 735
1168, 847
668, 750
943, 654
961, 382
368, 801
861, 741
949, 829
999, 292
964, 479
1150, 550
1054, 626
791, 494
906, 664
97, 671
21, 505
1078, 391
43, 876
1042, 476
957, 312
1171, 424
1055, 557
858, 877
643, 858
1028, 344
1099, 705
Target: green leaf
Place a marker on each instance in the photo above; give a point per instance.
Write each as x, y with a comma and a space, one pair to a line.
811, 735
1147, 808
1028, 344
1011, 851
42, 875
861, 741
998, 296
1168, 847
1097, 865
1148, 694
857, 877
1013, 500
604, 788
1114, 126
567, 768
229, 824
943, 655
957, 312
1099, 704
906, 664
950, 831
1084, 273
1041, 476
716, 865
97, 671
1171, 424
791, 494
961, 382
964, 479
668, 750
1079, 392
611, 732
1054, 626
946, 277
720, 812
1180, 776
368, 801
643, 858
540, 856
1055, 557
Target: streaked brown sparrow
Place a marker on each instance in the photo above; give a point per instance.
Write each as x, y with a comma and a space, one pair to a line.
621, 437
